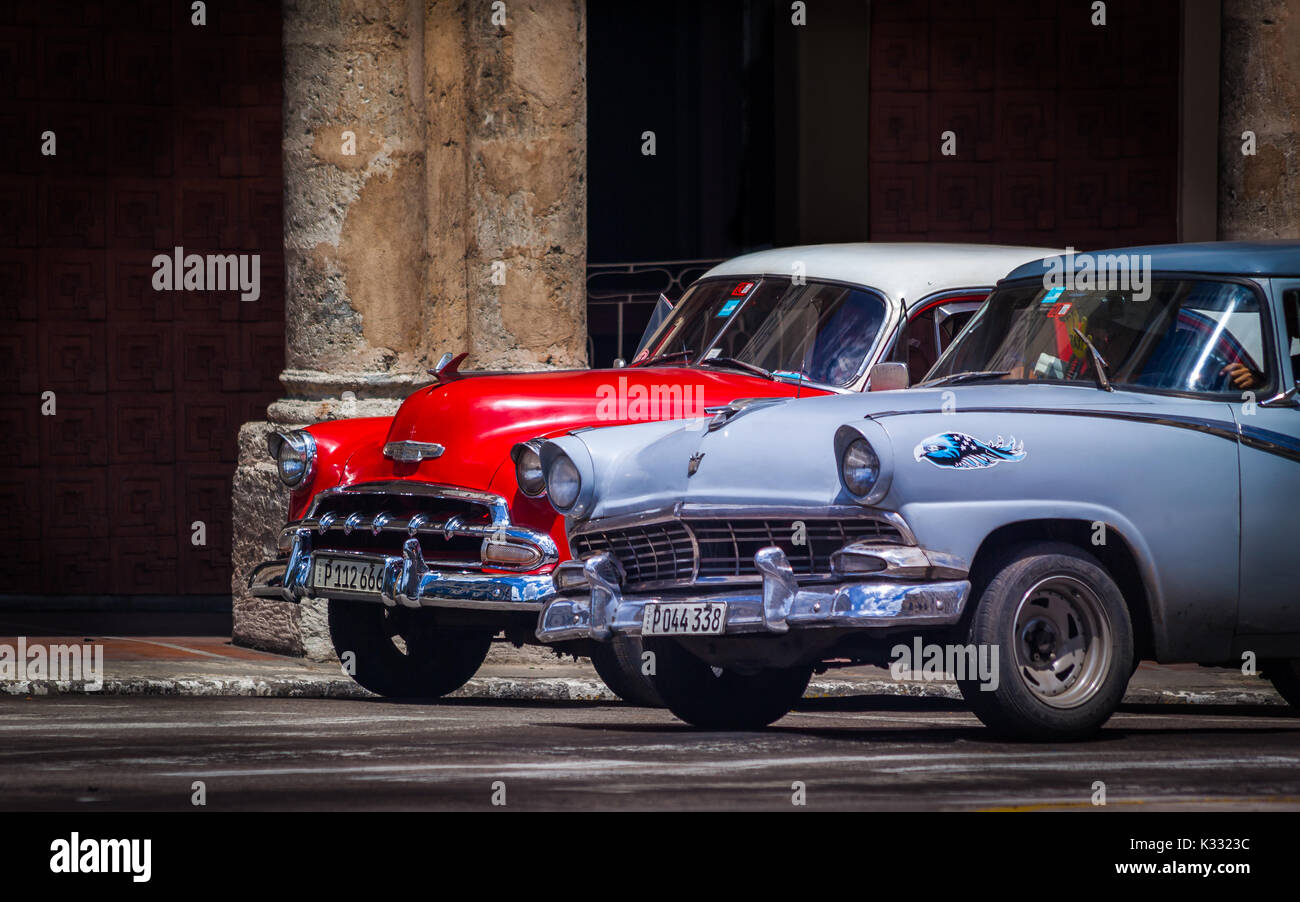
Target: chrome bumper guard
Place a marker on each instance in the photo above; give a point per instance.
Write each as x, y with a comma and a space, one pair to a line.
872, 587
407, 580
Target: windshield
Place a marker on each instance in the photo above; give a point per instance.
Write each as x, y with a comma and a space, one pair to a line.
1188, 335
814, 331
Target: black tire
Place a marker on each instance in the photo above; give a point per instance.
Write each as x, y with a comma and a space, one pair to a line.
728, 700
1064, 640
1285, 676
619, 664
435, 661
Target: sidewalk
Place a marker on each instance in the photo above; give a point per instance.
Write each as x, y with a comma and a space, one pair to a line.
206, 665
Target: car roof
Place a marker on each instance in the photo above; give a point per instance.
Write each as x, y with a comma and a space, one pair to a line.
907, 272
1251, 258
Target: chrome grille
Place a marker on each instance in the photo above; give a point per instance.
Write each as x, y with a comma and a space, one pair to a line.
450, 530
659, 552
681, 551
727, 547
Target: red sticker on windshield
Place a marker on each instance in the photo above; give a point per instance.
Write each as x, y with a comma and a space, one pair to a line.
742, 289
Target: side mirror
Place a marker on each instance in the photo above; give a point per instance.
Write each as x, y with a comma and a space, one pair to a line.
1283, 399
888, 377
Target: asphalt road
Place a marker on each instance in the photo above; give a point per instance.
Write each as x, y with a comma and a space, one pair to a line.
145, 753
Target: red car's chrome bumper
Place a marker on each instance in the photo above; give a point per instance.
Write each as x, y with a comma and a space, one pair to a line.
448, 537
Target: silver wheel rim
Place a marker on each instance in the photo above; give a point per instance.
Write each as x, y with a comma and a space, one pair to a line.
1063, 644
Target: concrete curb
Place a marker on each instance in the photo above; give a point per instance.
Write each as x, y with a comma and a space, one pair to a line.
566, 689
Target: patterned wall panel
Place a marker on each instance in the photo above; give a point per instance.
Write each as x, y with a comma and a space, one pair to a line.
1066, 132
166, 134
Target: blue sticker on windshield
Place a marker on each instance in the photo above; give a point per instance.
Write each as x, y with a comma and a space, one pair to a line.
729, 307
1052, 295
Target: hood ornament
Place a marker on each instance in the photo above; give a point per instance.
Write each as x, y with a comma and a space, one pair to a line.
448, 368
694, 463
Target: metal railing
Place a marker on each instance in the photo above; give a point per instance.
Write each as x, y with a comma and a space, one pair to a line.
629, 291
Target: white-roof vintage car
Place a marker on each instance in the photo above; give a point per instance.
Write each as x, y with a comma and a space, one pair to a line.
1103, 467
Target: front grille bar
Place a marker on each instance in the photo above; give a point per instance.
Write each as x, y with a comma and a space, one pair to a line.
682, 551
380, 523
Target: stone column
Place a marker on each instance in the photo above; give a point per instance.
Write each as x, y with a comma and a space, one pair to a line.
526, 175
435, 200
1259, 195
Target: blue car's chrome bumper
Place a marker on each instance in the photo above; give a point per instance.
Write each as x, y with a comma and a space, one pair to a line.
873, 587
407, 580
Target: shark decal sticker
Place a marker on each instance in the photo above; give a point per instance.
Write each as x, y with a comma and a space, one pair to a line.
964, 452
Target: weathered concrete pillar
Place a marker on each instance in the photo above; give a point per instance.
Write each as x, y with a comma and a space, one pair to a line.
526, 176
1259, 194
435, 200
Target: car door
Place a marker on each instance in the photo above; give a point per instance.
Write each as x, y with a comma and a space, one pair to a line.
1268, 618
929, 331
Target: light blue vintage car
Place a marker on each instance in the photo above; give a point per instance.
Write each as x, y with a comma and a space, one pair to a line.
1103, 467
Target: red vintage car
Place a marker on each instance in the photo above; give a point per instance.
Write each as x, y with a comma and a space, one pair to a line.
427, 531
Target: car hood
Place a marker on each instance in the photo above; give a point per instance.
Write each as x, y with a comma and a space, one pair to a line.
478, 418
779, 455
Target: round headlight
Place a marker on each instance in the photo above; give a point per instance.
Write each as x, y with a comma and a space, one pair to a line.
563, 483
528, 471
860, 468
295, 456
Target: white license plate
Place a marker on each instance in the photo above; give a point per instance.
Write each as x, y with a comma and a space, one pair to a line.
356, 576
684, 618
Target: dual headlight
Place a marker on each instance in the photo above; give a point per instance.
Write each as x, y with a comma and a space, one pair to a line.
528, 469
563, 482
547, 471
294, 454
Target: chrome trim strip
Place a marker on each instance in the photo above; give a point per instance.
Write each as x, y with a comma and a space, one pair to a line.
1252, 436
1220, 428
1271, 442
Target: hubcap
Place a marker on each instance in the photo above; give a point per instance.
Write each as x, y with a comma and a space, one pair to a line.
1063, 644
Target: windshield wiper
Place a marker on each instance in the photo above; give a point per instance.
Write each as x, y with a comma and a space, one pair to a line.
738, 364
968, 377
671, 355
1098, 362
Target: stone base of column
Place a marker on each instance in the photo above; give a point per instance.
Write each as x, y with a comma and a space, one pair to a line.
260, 501
258, 511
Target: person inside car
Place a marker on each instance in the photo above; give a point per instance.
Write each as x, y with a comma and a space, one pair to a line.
1243, 377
